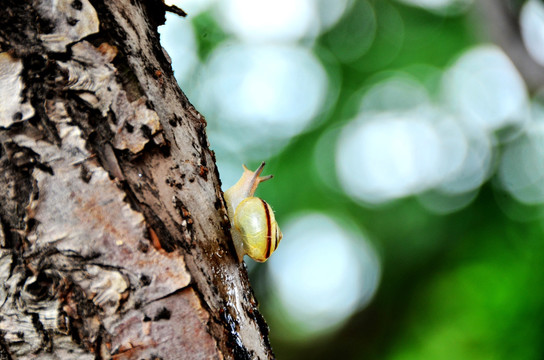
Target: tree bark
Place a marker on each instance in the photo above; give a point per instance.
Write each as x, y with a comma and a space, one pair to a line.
114, 238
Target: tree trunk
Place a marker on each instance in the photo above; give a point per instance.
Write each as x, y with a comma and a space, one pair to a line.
114, 238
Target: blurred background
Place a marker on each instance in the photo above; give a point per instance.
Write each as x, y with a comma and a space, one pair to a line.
406, 138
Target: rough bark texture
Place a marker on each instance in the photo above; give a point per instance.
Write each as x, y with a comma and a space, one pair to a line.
114, 238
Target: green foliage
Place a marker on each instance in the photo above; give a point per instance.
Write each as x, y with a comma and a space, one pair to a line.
209, 34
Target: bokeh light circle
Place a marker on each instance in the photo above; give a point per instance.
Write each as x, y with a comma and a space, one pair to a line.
521, 171
444, 7
442, 203
532, 29
384, 156
261, 95
322, 273
261, 20
476, 167
485, 89
331, 11
398, 92
353, 37
280, 20
387, 157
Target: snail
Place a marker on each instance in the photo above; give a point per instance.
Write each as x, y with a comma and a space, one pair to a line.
254, 229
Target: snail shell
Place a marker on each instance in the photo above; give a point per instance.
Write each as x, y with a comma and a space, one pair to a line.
260, 233
254, 229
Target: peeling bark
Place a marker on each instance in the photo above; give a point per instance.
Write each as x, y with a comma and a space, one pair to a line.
114, 238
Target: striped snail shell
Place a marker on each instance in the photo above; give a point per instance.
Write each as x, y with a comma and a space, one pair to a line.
255, 231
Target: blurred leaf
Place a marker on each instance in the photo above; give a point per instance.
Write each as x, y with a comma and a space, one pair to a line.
209, 34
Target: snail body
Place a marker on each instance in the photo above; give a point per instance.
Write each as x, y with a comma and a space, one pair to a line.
254, 229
